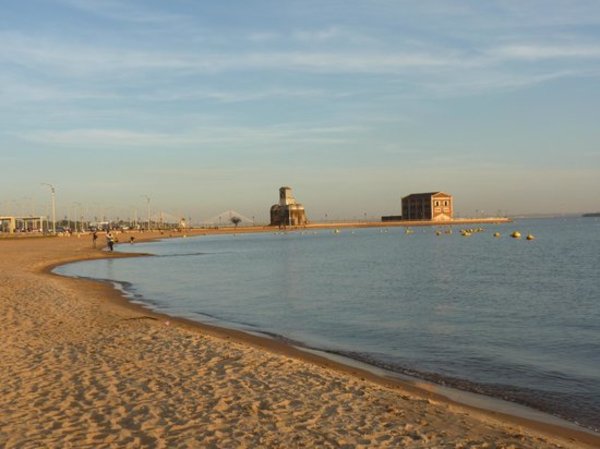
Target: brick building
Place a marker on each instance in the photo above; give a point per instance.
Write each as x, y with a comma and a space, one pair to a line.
435, 206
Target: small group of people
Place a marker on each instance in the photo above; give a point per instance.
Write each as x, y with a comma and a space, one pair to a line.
110, 239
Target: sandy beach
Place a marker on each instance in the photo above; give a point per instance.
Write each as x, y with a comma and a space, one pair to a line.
82, 368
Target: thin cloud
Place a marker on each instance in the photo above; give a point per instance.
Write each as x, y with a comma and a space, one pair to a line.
123, 12
226, 135
539, 52
318, 35
88, 61
429, 71
17, 91
81, 59
238, 96
493, 82
263, 36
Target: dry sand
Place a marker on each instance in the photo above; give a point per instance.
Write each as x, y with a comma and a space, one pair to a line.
80, 368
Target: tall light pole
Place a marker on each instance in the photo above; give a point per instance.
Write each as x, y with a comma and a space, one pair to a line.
53, 193
147, 211
135, 218
78, 216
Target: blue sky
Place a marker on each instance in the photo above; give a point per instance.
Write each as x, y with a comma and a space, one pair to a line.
206, 106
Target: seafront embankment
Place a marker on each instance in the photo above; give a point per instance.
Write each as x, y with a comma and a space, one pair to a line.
141, 235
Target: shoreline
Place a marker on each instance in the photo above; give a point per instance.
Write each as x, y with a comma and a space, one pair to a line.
479, 402
489, 405
400, 387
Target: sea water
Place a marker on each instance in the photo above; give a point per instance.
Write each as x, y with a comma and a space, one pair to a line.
509, 318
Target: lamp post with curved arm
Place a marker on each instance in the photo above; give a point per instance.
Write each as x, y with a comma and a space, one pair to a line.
53, 193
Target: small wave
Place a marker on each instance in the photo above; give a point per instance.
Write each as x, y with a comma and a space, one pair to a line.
183, 254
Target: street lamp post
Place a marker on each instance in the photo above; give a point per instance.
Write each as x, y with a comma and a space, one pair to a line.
78, 216
53, 193
147, 211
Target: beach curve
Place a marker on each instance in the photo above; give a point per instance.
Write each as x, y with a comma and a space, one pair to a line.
84, 368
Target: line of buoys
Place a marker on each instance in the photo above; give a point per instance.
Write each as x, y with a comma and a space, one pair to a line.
463, 232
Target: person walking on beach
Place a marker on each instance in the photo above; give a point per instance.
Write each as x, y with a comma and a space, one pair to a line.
110, 240
94, 238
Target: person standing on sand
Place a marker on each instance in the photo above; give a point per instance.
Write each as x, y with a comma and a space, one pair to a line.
109, 240
94, 238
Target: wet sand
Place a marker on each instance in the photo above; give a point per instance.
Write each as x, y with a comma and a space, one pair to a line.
82, 368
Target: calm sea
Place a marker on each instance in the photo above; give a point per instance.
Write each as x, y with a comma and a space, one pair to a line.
509, 318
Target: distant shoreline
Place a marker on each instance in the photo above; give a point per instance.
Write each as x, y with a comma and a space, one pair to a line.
140, 234
353, 225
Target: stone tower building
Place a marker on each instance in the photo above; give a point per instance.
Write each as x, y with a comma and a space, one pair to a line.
287, 212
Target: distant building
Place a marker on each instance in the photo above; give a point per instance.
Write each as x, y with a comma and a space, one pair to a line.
435, 206
22, 224
287, 212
